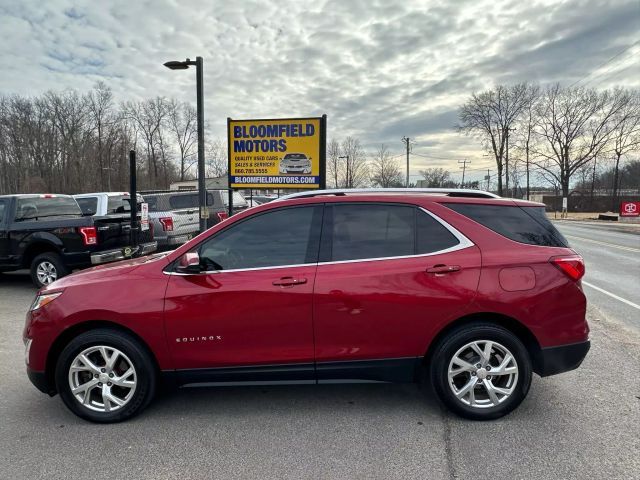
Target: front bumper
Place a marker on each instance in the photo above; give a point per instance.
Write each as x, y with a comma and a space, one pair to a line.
40, 381
123, 253
554, 360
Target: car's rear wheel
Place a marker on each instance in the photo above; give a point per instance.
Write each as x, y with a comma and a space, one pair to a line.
105, 376
481, 371
46, 268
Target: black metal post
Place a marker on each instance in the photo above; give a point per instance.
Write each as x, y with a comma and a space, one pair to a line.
323, 153
133, 192
202, 188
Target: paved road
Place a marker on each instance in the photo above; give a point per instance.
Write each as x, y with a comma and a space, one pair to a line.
612, 258
580, 425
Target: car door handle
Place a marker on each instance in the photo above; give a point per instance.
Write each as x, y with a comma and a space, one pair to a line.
441, 269
289, 281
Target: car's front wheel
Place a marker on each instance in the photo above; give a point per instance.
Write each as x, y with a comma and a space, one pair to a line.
105, 376
481, 371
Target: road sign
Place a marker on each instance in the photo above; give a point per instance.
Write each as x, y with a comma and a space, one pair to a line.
144, 216
277, 153
630, 209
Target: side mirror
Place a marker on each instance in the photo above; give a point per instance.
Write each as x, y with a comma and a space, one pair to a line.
189, 263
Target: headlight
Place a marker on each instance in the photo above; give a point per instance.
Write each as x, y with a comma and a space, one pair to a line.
43, 299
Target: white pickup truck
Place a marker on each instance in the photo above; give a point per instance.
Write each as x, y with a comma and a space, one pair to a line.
116, 208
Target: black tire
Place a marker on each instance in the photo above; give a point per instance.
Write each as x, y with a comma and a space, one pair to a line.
455, 340
50, 258
137, 354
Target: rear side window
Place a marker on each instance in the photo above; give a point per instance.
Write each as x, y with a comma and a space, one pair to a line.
523, 224
44, 208
153, 203
89, 205
118, 204
431, 235
362, 231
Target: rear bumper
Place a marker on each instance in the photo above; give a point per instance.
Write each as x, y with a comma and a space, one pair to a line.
123, 253
554, 360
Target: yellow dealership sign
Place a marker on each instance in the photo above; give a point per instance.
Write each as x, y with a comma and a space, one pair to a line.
277, 153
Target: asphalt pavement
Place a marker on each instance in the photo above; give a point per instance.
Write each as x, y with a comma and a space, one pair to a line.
612, 259
580, 425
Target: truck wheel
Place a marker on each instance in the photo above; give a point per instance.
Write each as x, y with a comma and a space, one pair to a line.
46, 268
481, 371
105, 376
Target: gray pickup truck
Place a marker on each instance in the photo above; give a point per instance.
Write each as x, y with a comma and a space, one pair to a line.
175, 214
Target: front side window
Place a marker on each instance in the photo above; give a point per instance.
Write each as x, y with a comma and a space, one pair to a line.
288, 236
363, 231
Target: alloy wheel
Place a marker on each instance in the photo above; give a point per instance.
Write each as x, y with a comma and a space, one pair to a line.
46, 272
102, 378
483, 374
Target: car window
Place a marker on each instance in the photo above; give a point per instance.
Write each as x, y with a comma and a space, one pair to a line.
118, 204
46, 207
3, 207
522, 224
88, 205
183, 201
153, 203
362, 231
238, 199
275, 238
431, 235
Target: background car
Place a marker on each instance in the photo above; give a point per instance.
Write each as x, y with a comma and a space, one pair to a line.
297, 163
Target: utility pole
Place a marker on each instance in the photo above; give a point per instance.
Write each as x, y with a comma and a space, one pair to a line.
593, 178
406, 141
487, 178
464, 169
507, 160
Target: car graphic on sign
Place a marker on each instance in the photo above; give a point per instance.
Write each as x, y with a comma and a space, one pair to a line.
296, 163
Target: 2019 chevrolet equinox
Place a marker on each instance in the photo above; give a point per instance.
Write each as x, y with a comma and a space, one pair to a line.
468, 292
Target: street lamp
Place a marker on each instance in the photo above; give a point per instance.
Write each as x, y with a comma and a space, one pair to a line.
509, 129
202, 190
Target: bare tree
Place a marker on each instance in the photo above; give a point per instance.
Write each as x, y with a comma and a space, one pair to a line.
385, 171
626, 134
100, 105
437, 178
182, 120
333, 162
574, 125
356, 171
526, 129
490, 116
216, 160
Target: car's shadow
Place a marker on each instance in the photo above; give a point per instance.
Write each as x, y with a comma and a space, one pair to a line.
20, 277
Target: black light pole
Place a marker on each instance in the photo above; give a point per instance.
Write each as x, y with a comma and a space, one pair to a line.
202, 189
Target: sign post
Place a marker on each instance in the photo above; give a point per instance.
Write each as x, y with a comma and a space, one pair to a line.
277, 153
144, 216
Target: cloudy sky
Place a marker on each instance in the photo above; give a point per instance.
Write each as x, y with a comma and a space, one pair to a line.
379, 69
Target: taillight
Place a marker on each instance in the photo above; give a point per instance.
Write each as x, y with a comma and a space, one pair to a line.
572, 266
167, 224
89, 235
222, 216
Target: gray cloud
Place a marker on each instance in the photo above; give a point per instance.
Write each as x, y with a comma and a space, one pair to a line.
379, 69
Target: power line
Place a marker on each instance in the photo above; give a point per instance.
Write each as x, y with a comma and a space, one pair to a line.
606, 62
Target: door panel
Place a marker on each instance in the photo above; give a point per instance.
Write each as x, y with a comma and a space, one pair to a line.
389, 308
240, 317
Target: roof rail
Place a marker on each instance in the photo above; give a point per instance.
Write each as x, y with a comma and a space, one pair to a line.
452, 192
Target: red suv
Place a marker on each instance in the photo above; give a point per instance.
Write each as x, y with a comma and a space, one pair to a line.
469, 292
